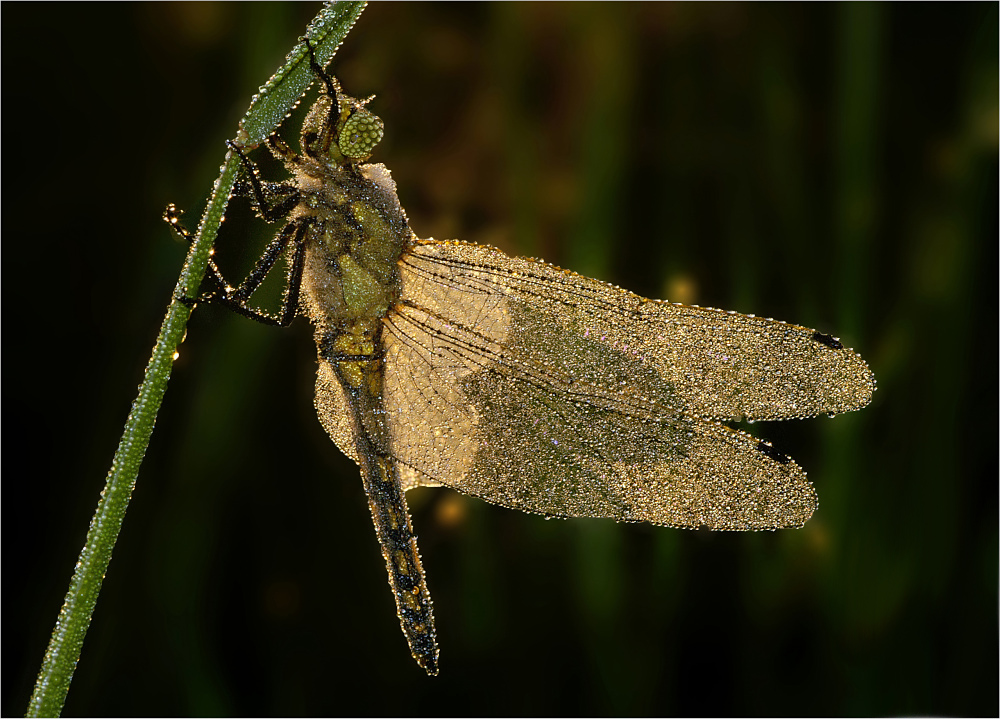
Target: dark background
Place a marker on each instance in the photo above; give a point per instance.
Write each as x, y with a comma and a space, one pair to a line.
830, 165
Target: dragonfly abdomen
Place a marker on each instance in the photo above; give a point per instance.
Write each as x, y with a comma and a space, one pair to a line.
361, 379
402, 559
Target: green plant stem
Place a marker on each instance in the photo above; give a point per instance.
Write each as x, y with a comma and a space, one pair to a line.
266, 112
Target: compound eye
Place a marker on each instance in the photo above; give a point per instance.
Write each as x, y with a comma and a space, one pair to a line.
359, 135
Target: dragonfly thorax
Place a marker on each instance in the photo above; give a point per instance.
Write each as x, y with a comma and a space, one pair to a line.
356, 233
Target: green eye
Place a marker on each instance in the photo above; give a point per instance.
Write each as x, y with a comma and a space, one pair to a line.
360, 134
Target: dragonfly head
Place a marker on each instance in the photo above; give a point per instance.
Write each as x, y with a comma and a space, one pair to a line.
359, 129
345, 134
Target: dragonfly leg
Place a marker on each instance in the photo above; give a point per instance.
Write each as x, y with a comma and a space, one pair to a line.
172, 216
273, 200
236, 300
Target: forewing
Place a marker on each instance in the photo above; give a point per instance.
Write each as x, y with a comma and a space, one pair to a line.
503, 383
720, 365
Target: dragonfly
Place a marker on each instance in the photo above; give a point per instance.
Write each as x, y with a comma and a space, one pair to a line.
445, 363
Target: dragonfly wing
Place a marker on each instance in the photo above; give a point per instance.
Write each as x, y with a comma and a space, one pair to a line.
721, 365
510, 396
334, 413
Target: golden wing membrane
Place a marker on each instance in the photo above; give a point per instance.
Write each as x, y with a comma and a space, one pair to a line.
544, 391
517, 432
722, 365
